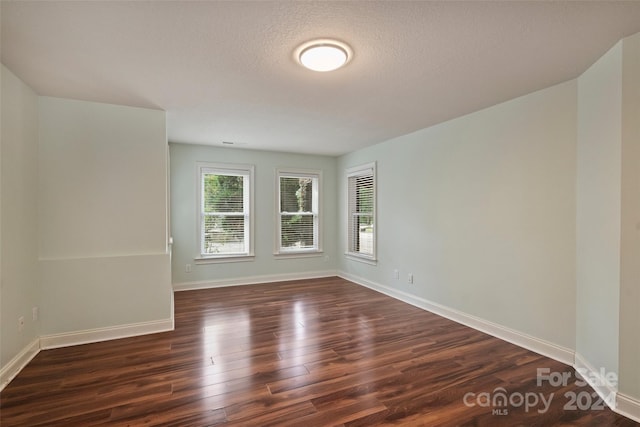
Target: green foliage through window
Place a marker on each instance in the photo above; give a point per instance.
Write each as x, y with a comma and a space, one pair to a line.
224, 213
298, 216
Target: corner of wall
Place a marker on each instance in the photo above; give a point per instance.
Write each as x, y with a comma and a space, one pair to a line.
19, 200
18, 362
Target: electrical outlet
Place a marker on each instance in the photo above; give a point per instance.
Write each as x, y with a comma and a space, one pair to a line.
20, 323
396, 274
187, 268
410, 278
34, 314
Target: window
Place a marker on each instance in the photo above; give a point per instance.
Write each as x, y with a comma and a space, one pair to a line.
298, 215
361, 183
225, 200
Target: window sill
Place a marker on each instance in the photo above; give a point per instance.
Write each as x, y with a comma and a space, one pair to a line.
224, 259
301, 254
361, 258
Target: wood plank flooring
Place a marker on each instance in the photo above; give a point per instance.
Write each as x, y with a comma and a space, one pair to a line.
319, 352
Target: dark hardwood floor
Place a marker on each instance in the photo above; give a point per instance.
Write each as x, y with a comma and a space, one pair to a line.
308, 353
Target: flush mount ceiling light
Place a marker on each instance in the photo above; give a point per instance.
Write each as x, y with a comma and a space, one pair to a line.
323, 55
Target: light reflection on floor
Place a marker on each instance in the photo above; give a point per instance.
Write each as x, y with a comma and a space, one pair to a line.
213, 335
244, 333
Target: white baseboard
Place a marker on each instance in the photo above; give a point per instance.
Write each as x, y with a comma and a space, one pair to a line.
618, 402
15, 365
628, 407
624, 405
103, 334
252, 280
605, 390
529, 342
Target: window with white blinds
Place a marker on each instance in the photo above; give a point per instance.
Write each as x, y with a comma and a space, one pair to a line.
298, 215
225, 199
361, 183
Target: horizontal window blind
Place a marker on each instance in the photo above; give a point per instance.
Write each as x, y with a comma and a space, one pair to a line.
297, 231
361, 207
224, 234
224, 211
298, 212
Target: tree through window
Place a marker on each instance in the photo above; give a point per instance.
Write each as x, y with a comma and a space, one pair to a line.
298, 212
225, 210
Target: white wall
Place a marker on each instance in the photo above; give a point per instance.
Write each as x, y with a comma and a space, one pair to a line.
525, 214
19, 233
481, 210
598, 211
608, 219
102, 216
102, 190
265, 267
630, 222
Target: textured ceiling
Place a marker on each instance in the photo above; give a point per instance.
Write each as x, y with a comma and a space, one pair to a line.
224, 71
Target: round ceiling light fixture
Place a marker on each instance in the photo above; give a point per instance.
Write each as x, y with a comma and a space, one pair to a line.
323, 55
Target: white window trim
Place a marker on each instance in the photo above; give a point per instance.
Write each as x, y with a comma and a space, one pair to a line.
364, 169
278, 251
250, 227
